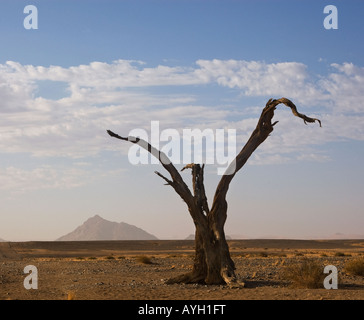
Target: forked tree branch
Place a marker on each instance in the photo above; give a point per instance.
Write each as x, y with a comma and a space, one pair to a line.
177, 182
199, 199
261, 132
213, 264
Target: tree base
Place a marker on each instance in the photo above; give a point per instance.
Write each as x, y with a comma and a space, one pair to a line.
190, 277
195, 277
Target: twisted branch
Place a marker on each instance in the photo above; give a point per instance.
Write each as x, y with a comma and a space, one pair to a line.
177, 182
261, 132
271, 105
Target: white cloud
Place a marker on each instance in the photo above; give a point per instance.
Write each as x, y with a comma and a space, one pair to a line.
289, 79
345, 88
313, 157
118, 74
120, 96
17, 180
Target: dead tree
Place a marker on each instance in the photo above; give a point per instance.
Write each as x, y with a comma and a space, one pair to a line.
212, 262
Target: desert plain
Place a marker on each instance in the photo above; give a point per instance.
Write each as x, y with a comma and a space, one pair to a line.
137, 270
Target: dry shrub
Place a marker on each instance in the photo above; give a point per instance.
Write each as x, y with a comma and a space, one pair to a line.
263, 254
355, 267
71, 295
144, 259
305, 274
339, 254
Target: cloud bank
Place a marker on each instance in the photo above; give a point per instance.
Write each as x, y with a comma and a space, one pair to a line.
124, 95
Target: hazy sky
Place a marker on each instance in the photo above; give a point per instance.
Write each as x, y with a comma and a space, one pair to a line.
97, 65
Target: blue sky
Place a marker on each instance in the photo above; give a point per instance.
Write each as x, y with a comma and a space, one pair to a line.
97, 65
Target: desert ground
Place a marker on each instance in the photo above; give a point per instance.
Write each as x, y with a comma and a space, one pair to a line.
137, 270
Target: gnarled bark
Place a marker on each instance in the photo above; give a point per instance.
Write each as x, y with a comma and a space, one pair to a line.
212, 262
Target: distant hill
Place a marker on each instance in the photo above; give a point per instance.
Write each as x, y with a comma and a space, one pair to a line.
343, 236
2, 240
97, 228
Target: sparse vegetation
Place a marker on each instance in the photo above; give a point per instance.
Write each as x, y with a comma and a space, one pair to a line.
263, 254
339, 254
144, 260
355, 267
110, 258
305, 274
128, 278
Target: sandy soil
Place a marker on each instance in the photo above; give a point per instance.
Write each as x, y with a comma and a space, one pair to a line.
109, 270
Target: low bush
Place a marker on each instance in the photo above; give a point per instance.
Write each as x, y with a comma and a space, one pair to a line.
355, 267
339, 254
144, 259
305, 274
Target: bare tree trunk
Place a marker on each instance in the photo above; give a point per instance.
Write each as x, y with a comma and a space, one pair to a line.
212, 262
